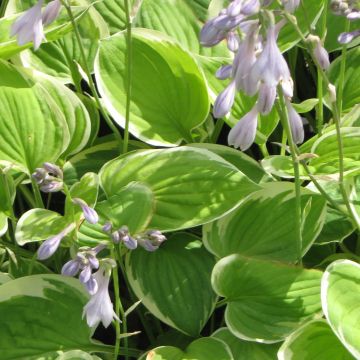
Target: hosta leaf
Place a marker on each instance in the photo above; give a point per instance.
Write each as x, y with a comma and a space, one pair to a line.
191, 186
266, 301
38, 224
133, 207
313, 341
33, 130
25, 330
340, 296
174, 282
169, 96
246, 350
200, 349
272, 227
178, 19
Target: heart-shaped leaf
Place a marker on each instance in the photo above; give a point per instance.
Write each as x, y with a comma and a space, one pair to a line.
174, 282
266, 301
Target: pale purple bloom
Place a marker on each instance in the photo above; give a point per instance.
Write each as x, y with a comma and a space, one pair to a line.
232, 42
89, 213
296, 124
29, 26
151, 240
347, 37
107, 227
266, 99
290, 5
320, 53
85, 262
123, 235
250, 7
234, 8
353, 15
270, 67
242, 135
51, 12
49, 246
211, 35
224, 101
100, 308
224, 72
244, 61
49, 178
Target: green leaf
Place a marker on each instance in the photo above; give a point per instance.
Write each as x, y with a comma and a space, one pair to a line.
133, 206
266, 301
246, 350
174, 282
305, 106
77, 355
3, 223
33, 130
168, 97
37, 225
282, 166
25, 330
4, 278
313, 341
23, 267
272, 227
340, 296
336, 228
60, 27
200, 349
178, 19
351, 92
191, 186
86, 189
243, 162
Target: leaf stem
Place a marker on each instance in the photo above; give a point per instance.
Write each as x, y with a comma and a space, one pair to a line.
37, 195
298, 212
128, 74
118, 309
88, 73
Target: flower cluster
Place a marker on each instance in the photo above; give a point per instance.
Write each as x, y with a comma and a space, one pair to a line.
350, 9
49, 178
258, 66
149, 240
30, 26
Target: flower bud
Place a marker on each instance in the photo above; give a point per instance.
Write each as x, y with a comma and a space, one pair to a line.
224, 101
296, 124
89, 213
224, 72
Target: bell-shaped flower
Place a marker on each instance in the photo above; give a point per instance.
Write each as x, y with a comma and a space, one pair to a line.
224, 101
224, 72
51, 12
123, 235
290, 5
85, 262
266, 98
244, 61
270, 67
296, 123
151, 240
29, 26
242, 135
89, 213
49, 246
100, 308
347, 37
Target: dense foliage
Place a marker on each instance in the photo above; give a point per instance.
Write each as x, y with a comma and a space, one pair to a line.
179, 179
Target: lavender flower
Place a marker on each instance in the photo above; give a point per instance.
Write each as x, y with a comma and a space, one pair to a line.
225, 101
49, 246
242, 135
49, 178
51, 12
84, 262
267, 95
224, 72
320, 53
89, 213
30, 26
151, 240
123, 235
100, 308
347, 37
296, 123
290, 5
271, 67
